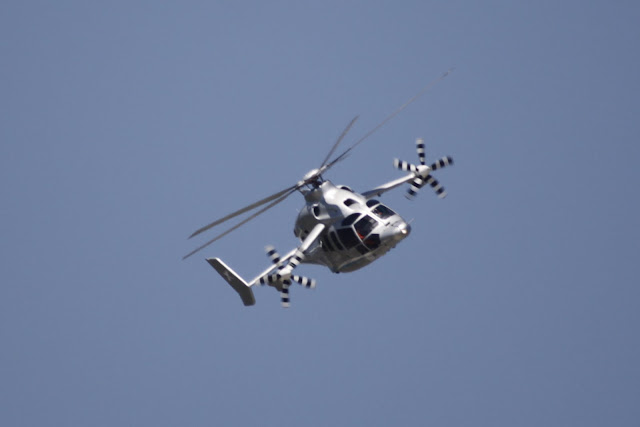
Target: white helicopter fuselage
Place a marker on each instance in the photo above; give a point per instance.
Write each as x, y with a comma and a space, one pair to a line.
337, 227
358, 230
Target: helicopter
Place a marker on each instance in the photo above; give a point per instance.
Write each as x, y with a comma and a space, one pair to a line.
338, 228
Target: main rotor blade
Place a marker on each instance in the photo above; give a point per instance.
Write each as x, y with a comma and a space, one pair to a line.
340, 138
243, 210
391, 116
243, 222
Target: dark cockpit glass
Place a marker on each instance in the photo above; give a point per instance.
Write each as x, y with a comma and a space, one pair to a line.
326, 244
365, 226
350, 219
335, 241
348, 237
382, 211
373, 241
355, 230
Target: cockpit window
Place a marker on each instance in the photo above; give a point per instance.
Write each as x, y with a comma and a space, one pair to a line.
373, 241
326, 244
348, 237
382, 211
365, 226
335, 241
349, 202
350, 219
372, 202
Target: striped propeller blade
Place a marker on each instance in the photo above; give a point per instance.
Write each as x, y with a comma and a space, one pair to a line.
416, 185
405, 166
284, 294
273, 254
436, 186
445, 161
420, 150
269, 279
296, 259
304, 281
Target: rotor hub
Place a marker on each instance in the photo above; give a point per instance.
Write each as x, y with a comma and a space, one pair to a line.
312, 175
311, 180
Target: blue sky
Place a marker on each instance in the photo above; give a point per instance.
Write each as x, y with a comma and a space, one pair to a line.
125, 126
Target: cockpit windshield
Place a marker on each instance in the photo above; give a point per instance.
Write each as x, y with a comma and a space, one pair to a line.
350, 219
365, 226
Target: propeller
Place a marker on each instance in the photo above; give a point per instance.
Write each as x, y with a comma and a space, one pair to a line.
423, 172
284, 293
272, 254
283, 275
312, 178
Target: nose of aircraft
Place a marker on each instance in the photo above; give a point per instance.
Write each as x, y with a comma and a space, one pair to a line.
404, 229
396, 232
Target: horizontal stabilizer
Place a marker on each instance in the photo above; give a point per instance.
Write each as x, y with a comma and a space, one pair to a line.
236, 282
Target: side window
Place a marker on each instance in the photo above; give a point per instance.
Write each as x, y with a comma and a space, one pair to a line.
349, 202
373, 241
350, 219
326, 244
348, 237
383, 212
334, 239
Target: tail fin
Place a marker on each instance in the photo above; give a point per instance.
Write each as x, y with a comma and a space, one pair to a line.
236, 282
